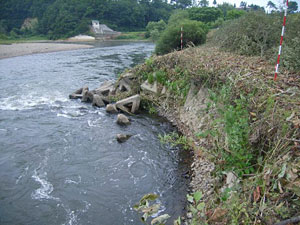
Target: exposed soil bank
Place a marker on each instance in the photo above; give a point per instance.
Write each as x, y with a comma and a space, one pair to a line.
243, 127
19, 49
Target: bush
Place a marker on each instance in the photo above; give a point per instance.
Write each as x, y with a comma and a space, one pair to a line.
252, 34
291, 44
204, 14
234, 14
178, 16
194, 32
258, 34
154, 29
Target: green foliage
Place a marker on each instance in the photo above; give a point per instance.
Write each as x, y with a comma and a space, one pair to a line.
64, 18
196, 206
131, 36
205, 14
234, 120
291, 48
225, 7
154, 29
194, 33
149, 210
177, 16
174, 139
234, 14
292, 7
256, 33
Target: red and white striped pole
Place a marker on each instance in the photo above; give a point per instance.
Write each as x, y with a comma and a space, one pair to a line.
281, 39
181, 38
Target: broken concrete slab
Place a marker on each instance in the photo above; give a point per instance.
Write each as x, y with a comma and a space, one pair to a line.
129, 105
75, 96
122, 119
111, 108
78, 93
87, 96
107, 88
123, 86
97, 101
146, 86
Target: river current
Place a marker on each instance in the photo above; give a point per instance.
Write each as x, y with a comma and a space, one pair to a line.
59, 160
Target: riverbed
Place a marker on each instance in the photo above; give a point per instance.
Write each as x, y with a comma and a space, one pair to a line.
59, 160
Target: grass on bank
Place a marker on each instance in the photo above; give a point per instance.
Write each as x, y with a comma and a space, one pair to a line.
132, 36
253, 130
9, 40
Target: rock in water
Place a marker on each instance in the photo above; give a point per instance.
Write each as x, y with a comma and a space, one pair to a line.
97, 101
122, 120
111, 108
123, 137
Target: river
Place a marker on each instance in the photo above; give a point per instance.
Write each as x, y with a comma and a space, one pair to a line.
59, 160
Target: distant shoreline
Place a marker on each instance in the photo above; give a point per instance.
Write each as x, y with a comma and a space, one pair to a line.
20, 49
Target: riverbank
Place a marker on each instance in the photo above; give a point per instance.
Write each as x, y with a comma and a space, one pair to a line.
243, 128
19, 49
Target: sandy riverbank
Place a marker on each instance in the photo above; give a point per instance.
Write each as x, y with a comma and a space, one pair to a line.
19, 49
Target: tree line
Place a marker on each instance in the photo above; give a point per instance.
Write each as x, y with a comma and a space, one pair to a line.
64, 18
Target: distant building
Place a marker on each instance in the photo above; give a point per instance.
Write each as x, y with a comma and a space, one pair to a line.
103, 31
95, 24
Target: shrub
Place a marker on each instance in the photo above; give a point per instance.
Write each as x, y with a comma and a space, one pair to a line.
291, 44
257, 33
205, 14
252, 34
154, 29
234, 14
194, 32
178, 16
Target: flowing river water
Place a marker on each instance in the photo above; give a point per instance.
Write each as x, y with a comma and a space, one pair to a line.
59, 160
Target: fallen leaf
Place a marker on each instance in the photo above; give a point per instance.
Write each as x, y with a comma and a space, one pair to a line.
218, 215
160, 220
256, 194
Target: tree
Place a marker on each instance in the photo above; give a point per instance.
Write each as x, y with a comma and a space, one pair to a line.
271, 6
256, 8
203, 3
225, 7
194, 32
243, 5
292, 7
234, 14
205, 14
215, 2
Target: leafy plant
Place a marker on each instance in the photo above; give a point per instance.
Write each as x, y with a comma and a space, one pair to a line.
196, 206
174, 139
149, 210
194, 33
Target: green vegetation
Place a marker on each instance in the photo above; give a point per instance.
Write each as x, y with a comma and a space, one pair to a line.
257, 33
174, 139
10, 40
233, 121
150, 210
196, 206
65, 18
132, 36
154, 29
194, 34
250, 127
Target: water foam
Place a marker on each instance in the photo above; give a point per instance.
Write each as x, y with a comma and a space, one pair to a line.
30, 101
46, 187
